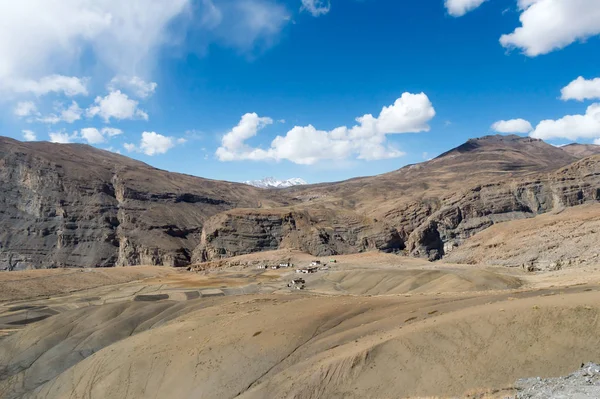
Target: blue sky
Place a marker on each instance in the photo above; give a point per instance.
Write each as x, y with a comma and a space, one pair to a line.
204, 87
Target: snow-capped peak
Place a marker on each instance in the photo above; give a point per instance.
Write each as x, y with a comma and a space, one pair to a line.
270, 182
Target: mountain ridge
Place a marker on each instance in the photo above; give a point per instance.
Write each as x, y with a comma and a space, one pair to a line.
77, 206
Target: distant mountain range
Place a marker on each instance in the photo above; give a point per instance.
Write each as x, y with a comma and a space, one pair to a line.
270, 182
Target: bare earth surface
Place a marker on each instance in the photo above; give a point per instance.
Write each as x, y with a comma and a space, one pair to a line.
372, 325
560, 239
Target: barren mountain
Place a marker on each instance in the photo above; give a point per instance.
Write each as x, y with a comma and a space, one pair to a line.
581, 150
74, 205
425, 209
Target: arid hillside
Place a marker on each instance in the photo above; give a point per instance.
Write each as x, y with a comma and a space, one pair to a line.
77, 206
371, 325
425, 210
560, 239
581, 150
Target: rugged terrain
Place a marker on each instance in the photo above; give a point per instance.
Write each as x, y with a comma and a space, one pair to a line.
561, 239
582, 384
372, 325
77, 206
424, 210
71, 205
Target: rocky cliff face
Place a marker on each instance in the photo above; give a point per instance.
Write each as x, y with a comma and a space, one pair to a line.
76, 206
319, 232
480, 207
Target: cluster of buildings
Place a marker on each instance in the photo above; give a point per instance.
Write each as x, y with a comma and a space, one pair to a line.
275, 267
314, 267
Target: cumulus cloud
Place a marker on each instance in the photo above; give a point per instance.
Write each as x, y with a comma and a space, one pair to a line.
62, 137
68, 115
250, 124
307, 145
96, 136
458, 8
116, 105
92, 135
512, 126
571, 127
134, 84
548, 25
316, 7
581, 89
25, 108
153, 143
29, 135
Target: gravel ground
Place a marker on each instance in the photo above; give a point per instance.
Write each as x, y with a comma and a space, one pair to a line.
584, 383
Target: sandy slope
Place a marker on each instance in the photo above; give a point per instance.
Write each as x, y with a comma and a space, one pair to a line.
374, 326
51, 282
567, 238
304, 347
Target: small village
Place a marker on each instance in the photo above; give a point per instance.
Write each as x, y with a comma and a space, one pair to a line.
299, 283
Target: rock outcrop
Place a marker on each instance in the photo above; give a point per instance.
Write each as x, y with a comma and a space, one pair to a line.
480, 207
319, 232
77, 206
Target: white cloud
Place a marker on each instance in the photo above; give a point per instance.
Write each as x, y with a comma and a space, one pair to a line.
249, 125
548, 25
512, 126
458, 8
69, 115
95, 136
25, 108
92, 135
48, 43
45, 36
571, 127
242, 24
111, 131
29, 135
581, 89
67, 85
316, 7
153, 143
62, 137
135, 84
130, 147
116, 105
306, 145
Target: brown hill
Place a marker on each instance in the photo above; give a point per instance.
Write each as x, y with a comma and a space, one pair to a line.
556, 240
74, 205
425, 209
581, 150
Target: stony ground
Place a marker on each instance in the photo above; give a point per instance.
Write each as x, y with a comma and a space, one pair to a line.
582, 384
